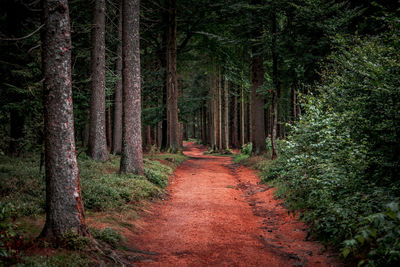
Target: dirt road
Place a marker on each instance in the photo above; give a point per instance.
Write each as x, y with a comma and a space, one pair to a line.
218, 215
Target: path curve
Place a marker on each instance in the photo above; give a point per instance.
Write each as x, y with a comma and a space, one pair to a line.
218, 215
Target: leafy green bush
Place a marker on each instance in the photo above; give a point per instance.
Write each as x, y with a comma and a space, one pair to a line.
156, 172
115, 191
341, 160
378, 238
66, 260
22, 187
108, 235
247, 148
72, 240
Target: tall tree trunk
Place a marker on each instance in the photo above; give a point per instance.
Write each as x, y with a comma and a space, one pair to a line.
242, 116
117, 129
220, 145
249, 120
226, 114
97, 133
108, 129
235, 121
257, 107
148, 137
159, 134
215, 114
64, 207
132, 154
172, 82
165, 110
294, 103
276, 93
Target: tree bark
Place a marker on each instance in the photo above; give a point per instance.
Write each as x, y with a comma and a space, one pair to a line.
97, 133
235, 121
294, 104
132, 153
165, 110
257, 107
220, 145
226, 115
108, 129
276, 93
64, 207
117, 127
249, 119
242, 116
215, 114
172, 82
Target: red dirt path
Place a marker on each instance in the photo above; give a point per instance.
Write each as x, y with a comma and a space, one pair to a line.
218, 215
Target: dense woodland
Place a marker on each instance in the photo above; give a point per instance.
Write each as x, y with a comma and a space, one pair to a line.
310, 88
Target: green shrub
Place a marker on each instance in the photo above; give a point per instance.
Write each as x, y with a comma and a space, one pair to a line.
65, 260
108, 235
22, 187
340, 162
115, 191
240, 157
157, 173
72, 240
247, 148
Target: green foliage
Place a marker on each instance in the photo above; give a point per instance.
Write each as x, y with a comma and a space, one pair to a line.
247, 148
103, 188
108, 235
22, 188
72, 240
378, 237
240, 157
66, 260
156, 172
340, 162
9, 238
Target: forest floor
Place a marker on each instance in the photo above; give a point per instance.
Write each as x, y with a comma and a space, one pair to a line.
217, 214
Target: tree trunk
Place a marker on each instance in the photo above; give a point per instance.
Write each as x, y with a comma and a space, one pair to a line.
172, 82
148, 138
242, 116
294, 104
165, 114
108, 129
117, 129
193, 134
235, 120
97, 133
64, 207
220, 145
257, 107
276, 93
249, 120
132, 154
215, 114
226, 115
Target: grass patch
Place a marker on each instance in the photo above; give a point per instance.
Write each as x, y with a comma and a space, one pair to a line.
108, 235
22, 187
65, 259
105, 193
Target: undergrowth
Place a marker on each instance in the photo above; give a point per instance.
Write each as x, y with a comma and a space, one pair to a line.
22, 195
339, 164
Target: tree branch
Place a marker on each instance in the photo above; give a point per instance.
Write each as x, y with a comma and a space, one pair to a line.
24, 37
